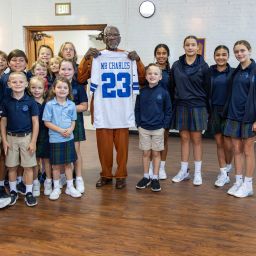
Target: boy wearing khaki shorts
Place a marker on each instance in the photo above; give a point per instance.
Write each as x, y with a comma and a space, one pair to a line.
153, 115
19, 129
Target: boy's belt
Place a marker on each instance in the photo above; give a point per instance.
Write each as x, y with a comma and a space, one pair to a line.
19, 134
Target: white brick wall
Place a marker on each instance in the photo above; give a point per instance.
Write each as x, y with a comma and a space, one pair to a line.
219, 21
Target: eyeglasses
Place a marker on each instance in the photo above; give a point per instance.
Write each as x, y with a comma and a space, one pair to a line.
112, 35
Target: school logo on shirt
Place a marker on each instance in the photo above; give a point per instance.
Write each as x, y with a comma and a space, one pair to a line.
25, 108
159, 97
74, 91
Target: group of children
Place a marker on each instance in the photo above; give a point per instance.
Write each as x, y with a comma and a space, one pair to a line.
220, 99
42, 118
41, 124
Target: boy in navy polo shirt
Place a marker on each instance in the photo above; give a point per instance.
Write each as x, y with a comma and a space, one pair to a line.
19, 129
152, 122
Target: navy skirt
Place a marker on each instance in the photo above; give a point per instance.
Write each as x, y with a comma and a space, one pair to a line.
216, 122
79, 131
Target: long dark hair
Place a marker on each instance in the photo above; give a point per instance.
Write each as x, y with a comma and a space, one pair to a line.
168, 68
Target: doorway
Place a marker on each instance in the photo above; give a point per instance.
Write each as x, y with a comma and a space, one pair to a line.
37, 35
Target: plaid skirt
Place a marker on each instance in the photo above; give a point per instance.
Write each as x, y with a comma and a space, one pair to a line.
189, 118
236, 129
62, 153
79, 131
216, 122
43, 145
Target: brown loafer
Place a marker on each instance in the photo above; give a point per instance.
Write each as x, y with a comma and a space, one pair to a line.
103, 181
120, 183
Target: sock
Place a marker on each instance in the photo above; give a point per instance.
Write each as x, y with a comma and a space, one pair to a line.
162, 164
56, 184
151, 165
19, 179
1, 183
146, 175
229, 167
47, 180
29, 188
62, 176
223, 170
198, 166
35, 182
248, 182
79, 178
184, 166
239, 179
155, 177
70, 183
13, 185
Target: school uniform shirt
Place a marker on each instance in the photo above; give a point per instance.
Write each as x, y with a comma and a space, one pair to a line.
243, 93
19, 113
219, 85
165, 81
42, 128
153, 108
79, 96
189, 82
60, 115
114, 80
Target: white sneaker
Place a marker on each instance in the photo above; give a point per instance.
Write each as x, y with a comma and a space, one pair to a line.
234, 188
36, 189
197, 179
80, 185
47, 188
181, 175
243, 191
73, 192
229, 169
150, 170
4, 202
55, 194
162, 174
222, 179
63, 181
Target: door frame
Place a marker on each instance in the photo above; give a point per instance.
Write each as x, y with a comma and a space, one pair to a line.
29, 30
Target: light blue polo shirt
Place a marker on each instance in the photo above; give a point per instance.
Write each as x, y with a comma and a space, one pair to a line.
60, 115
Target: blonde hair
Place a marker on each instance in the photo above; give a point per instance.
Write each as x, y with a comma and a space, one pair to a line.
36, 80
17, 74
60, 54
57, 59
40, 63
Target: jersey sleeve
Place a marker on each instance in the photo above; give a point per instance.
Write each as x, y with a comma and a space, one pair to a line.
94, 75
135, 81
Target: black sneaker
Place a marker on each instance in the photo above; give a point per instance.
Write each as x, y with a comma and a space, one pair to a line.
14, 197
30, 199
155, 185
21, 188
3, 193
143, 183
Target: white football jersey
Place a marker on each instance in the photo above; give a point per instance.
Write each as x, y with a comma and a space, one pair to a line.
114, 80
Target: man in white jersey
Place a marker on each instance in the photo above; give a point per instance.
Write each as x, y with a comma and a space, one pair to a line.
111, 131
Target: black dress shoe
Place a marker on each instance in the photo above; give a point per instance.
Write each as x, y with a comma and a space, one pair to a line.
120, 183
102, 182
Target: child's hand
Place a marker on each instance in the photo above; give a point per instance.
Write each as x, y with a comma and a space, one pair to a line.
68, 132
6, 146
32, 148
63, 132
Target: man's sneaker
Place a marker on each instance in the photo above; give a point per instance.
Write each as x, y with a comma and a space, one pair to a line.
30, 200
55, 194
5, 199
14, 197
234, 188
63, 181
197, 181
162, 174
243, 191
36, 189
73, 192
222, 179
80, 185
155, 185
21, 188
181, 175
47, 188
143, 183
150, 170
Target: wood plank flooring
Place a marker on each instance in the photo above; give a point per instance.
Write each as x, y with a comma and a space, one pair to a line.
180, 220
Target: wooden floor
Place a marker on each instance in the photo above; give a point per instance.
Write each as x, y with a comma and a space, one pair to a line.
180, 220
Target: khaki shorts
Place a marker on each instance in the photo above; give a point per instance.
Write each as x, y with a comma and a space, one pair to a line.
18, 153
151, 139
